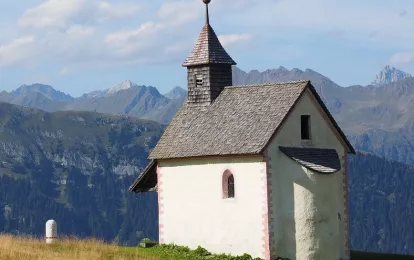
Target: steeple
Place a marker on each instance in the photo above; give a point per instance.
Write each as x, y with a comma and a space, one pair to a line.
208, 66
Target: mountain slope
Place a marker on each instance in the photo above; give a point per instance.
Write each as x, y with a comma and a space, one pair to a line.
138, 101
46, 90
176, 93
381, 205
37, 96
74, 167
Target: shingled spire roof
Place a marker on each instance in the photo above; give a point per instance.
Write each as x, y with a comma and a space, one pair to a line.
208, 49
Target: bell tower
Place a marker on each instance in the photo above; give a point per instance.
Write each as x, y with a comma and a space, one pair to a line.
208, 67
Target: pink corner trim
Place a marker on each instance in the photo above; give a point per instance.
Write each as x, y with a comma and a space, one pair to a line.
160, 206
346, 204
266, 217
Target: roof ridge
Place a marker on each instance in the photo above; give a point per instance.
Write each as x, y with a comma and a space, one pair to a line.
269, 84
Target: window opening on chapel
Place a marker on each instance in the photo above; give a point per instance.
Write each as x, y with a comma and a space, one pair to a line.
228, 185
305, 127
199, 81
231, 186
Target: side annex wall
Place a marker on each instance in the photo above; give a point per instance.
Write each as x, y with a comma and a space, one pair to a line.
297, 229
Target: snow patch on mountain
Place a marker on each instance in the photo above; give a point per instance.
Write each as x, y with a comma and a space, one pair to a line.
126, 84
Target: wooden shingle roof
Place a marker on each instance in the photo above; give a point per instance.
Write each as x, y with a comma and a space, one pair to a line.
241, 121
208, 50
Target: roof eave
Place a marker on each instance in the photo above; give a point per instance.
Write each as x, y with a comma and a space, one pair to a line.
259, 153
194, 64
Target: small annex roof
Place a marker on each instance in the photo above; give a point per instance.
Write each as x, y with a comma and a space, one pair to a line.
147, 181
208, 50
324, 161
241, 121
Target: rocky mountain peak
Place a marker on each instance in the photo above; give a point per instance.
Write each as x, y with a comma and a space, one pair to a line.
46, 90
176, 93
388, 75
126, 84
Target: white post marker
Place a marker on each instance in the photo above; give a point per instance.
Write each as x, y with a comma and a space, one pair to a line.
51, 231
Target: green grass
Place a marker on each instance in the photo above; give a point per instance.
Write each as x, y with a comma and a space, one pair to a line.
355, 255
173, 252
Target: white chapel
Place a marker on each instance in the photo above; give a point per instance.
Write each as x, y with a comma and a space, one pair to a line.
257, 169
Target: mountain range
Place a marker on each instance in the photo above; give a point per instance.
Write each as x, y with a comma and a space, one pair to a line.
126, 98
378, 118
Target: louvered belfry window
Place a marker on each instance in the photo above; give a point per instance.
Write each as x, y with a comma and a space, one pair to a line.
199, 81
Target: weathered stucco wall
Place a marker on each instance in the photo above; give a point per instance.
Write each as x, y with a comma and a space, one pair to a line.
304, 205
193, 211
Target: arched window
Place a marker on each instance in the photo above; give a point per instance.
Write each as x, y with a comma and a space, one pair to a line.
228, 185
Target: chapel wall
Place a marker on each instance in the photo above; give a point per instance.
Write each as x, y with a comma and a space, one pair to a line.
304, 205
193, 211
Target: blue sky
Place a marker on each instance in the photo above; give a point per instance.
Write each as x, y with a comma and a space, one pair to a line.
79, 46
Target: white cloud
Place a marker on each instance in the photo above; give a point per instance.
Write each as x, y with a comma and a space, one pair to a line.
17, 51
51, 13
64, 71
232, 39
358, 19
180, 12
74, 32
122, 37
61, 14
402, 58
108, 11
80, 31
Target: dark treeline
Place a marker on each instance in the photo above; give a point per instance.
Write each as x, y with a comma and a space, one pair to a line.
381, 205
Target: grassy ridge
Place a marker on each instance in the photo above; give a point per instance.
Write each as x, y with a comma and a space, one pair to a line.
12, 248
17, 248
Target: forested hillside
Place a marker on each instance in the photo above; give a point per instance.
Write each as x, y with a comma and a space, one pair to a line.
381, 205
75, 167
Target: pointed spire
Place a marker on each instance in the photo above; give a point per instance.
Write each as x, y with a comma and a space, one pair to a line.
208, 49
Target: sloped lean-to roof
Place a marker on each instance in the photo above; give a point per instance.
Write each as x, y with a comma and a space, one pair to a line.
319, 160
147, 181
241, 121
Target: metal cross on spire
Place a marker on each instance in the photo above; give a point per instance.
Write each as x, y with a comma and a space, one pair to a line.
207, 15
